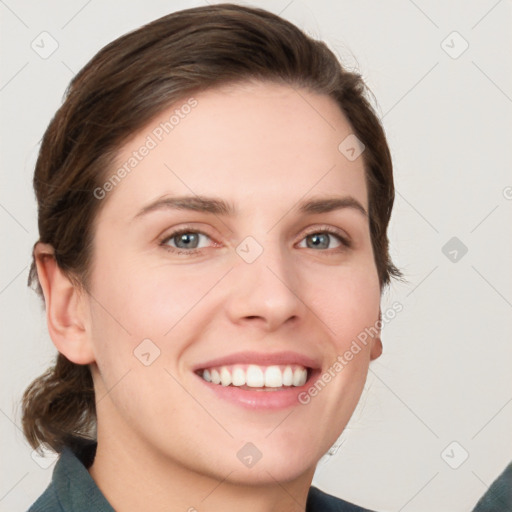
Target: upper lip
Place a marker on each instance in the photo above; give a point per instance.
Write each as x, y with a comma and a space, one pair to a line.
264, 359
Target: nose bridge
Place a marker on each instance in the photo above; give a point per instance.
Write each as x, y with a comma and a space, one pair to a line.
263, 280
264, 254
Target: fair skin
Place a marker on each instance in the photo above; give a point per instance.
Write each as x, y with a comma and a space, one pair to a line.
165, 442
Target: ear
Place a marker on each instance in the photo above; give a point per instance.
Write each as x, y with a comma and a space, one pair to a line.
376, 349
65, 308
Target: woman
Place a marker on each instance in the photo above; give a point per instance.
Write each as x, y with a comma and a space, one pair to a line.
214, 196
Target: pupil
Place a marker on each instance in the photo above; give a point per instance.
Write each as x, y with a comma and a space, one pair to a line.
186, 237
317, 240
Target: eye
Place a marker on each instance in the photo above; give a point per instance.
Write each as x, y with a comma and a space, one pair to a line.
321, 239
184, 241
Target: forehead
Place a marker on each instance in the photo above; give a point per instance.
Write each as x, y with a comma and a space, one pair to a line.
263, 143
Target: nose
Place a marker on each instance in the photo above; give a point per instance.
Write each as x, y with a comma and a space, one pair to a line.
265, 292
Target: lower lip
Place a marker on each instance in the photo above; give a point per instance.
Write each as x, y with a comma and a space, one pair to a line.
261, 399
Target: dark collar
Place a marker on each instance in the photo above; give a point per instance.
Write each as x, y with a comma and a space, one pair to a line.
72, 488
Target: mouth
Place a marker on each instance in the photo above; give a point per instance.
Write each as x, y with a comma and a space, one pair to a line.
256, 387
257, 377
259, 381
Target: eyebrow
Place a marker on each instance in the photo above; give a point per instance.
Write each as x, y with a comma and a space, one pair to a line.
220, 207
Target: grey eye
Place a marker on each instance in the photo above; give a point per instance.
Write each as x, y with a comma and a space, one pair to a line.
187, 239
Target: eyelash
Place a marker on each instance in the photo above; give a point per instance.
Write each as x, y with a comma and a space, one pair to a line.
326, 229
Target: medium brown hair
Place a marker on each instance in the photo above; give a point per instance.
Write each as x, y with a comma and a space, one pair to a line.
117, 93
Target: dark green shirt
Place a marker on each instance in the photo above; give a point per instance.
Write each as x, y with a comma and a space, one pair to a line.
499, 496
72, 488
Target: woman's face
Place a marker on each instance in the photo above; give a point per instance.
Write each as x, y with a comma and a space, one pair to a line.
263, 284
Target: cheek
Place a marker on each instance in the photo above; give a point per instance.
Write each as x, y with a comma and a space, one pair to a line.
348, 302
350, 308
144, 299
164, 304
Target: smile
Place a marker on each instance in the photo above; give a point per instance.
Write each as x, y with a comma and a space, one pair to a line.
258, 381
256, 376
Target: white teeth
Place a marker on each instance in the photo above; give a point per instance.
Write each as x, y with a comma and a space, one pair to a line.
215, 376
225, 376
254, 376
273, 377
299, 377
287, 376
238, 377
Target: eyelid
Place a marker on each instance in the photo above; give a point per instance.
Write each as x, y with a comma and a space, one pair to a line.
184, 229
344, 239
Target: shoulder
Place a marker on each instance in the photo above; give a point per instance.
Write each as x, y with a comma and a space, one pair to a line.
319, 501
498, 497
72, 489
47, 502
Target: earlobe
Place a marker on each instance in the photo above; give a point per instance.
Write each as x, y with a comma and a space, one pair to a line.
376, 349
65, 308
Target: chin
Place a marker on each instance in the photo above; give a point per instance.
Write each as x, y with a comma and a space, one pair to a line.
269, 473
282, 465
